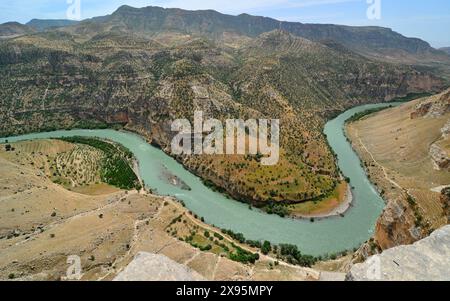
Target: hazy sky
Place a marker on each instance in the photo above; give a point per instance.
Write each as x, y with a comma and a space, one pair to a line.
426, 19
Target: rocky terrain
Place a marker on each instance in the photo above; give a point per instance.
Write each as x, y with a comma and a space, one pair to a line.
426, 260
124, 235
153, 267
404, 150
141, 69
43, 225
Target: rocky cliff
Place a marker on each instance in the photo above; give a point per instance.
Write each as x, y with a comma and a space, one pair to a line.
155, 267
425, 260
388, 142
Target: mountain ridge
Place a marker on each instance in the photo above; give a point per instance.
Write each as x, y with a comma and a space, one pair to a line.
445, 49
43, 24
374, 42
368, 40
12, 29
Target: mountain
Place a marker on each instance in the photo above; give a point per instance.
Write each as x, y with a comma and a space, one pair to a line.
41, 25
374, 42
445, 49
12, 29
143, 68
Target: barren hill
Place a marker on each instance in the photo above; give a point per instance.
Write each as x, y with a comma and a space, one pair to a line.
406, 152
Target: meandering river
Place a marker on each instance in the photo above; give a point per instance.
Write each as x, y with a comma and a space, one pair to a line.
315, 238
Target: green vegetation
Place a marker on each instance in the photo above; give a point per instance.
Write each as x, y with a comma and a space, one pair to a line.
292, 255
276, 208
360, 115
89, 124
419, 219
105, 74
243, 256
287, 252
409, 97
217, 235
266, 247
236, 236
116, 168
412, 96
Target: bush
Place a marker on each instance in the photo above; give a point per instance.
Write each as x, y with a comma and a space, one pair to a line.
217, 235
294, 256
266, 247
237, 236
243, 256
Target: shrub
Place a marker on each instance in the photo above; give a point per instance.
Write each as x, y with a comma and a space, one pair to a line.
266, 247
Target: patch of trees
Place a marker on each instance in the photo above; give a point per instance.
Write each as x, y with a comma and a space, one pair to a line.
236, 236
266, 247
278, 209
358, 116
292, 255
243, 256
116, 169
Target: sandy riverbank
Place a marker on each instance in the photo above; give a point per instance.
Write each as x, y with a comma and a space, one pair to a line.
339, 210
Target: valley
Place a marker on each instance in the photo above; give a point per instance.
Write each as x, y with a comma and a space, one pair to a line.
44, 223
117, 72
88, 170
217, 209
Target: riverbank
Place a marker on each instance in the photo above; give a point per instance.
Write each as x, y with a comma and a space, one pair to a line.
328, 208
394, 146
325, 236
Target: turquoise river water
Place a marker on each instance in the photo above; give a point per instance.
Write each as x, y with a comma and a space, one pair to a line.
324, 236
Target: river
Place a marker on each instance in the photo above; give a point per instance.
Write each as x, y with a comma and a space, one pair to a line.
321, 237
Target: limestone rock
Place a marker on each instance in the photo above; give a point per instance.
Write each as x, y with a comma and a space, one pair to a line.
440, 157
427, 259
156, 267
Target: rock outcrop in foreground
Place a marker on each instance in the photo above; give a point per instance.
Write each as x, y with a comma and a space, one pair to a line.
155, 267
426, 260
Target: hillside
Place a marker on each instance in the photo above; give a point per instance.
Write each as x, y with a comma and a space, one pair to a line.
425, 260
370, 41
103, 71
13, 29
42, 24
406, 153
105, 228
445, 49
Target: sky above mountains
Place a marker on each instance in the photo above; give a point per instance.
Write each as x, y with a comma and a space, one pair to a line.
428, 20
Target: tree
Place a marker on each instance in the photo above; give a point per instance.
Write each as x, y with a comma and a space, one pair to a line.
266, 247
